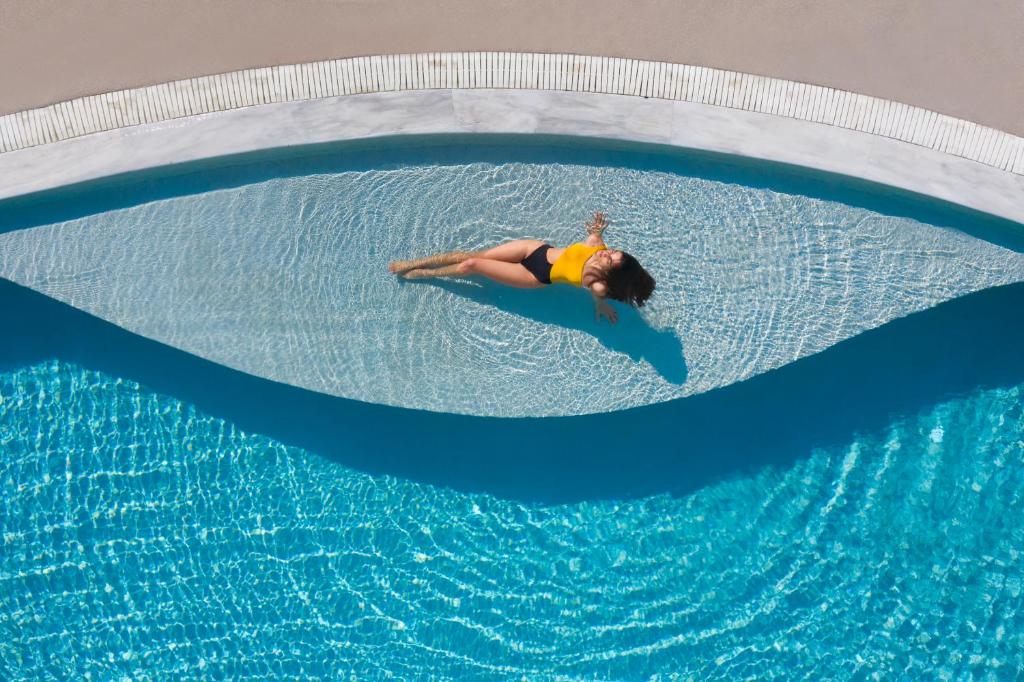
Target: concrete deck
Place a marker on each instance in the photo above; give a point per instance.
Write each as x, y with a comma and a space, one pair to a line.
964, 60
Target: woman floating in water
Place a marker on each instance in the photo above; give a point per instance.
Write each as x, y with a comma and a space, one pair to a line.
529, 263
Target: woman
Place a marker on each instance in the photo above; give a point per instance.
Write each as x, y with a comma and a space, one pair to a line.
529, 263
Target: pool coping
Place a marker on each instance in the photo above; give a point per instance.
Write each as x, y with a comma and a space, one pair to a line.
504, 92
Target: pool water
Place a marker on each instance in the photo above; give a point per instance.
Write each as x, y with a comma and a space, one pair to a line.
144, 538
277, 267
836, 495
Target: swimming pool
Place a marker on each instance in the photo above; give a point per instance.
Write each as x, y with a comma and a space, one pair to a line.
273, 266
819, 475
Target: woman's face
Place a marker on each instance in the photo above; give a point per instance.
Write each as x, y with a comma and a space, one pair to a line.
606, 260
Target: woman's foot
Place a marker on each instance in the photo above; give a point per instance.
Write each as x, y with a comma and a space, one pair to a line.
400, 266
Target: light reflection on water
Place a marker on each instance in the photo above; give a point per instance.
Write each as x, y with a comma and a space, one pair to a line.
284, 276
141, 537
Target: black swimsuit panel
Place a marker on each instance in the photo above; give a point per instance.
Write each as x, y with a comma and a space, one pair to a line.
538, 265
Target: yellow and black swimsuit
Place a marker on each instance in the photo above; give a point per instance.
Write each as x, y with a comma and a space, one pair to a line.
568, 269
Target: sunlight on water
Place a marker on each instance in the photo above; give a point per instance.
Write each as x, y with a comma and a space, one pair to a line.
286, 279
142, 539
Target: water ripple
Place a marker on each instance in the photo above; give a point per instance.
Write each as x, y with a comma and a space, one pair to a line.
286, 279
142, 538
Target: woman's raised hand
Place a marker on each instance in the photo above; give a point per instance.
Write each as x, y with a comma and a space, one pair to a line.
597, 224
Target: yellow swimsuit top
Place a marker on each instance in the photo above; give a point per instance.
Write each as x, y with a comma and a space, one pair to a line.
568, 269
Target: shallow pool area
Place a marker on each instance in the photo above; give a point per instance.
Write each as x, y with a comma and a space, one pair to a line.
277, 267
232, 446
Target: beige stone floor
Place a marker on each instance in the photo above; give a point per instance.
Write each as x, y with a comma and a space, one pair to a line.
965, 59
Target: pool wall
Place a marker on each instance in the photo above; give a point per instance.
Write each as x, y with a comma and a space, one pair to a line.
501, 92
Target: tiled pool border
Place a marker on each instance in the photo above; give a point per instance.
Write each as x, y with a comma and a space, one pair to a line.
549, 90
501, 70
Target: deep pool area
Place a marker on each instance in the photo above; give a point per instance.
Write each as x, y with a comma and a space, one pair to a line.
229, 448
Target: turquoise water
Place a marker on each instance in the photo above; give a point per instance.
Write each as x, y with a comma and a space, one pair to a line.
838, 497
144, 538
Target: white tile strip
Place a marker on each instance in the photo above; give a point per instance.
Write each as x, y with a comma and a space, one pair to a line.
504, 70
875, 158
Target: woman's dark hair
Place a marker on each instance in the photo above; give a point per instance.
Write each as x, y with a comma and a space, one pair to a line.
629, 282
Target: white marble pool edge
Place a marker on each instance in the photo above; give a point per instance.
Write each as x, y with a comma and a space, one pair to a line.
500, 70
629, 99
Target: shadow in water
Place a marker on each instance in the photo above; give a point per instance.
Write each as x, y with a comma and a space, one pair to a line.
574, 309
859, 385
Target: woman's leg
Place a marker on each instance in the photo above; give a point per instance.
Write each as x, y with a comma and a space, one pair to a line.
509, 252
510, 274
437, 260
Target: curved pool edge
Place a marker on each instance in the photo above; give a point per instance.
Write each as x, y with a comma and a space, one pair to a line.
631, 100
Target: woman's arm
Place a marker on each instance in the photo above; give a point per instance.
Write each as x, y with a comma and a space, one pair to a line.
595, 229
602, 307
